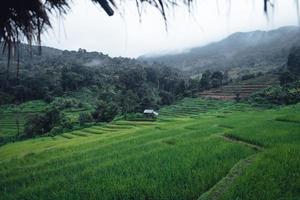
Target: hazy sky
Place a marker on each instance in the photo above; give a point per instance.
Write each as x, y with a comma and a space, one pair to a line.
87, 26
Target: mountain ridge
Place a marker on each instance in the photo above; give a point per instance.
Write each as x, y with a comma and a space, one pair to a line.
239, 53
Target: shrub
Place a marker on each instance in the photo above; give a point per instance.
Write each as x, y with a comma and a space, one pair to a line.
66, 124
105, 112
286, 77
134, 116
64, 103
248, 76
40, 124
85, 117
279, 95
55, 131
166, 98
48, 98
237, 97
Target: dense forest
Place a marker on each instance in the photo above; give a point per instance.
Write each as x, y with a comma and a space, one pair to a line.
58, 73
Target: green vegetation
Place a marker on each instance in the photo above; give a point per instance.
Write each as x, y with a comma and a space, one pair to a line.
14, 117
182, 155
288, 92
80, 88
239, 54
278, 95
72, 127
84, 78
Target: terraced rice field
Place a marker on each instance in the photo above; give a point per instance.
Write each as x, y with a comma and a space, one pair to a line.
13, 115
194, 150
244, 88
8, 123
191, 107
229, 91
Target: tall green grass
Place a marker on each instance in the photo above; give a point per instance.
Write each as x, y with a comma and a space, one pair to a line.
179, 156
275, 174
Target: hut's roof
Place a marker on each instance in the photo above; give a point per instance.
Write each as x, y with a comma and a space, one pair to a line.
149, 111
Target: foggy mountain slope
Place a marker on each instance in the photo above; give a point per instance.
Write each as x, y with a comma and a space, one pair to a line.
31, 56
252, 51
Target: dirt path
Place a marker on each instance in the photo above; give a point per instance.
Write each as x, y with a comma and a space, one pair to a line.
218, 190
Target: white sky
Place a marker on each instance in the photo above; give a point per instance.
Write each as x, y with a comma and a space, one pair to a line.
87, 26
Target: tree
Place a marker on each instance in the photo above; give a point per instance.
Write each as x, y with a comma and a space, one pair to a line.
180, 88
20, 93
216, 79
286, 77
225, 78
84, 117
205, 80
132, 78
237, 97
193, 86
293, 64
166, 98
105, 112
40, 124
128, 101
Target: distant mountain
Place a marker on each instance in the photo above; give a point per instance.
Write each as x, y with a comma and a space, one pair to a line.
239, 53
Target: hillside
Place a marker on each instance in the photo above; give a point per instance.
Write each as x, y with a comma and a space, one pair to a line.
239, 53
243, 88
78, 87
57, 73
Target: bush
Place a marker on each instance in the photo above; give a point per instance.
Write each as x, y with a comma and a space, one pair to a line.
134, 116
166, 98
85, 117
5, 98
237, 97
65, 103
248, 76
286, 77
48, 98
279, 95
66, 124
55, 131
105, 112
40, 124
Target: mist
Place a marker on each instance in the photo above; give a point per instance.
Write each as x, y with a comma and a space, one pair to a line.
126, 34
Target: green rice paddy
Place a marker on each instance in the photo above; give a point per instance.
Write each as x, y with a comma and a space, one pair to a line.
183, 155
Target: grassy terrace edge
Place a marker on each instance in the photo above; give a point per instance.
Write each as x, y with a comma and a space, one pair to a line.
185, 150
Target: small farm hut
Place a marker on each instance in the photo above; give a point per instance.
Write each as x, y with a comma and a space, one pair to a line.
150, 113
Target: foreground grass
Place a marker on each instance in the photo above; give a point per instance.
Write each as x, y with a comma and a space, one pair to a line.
181, 156
275, 173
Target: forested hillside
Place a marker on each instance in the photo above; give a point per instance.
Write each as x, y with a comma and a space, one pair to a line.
78, 87
126, 82
239, 54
